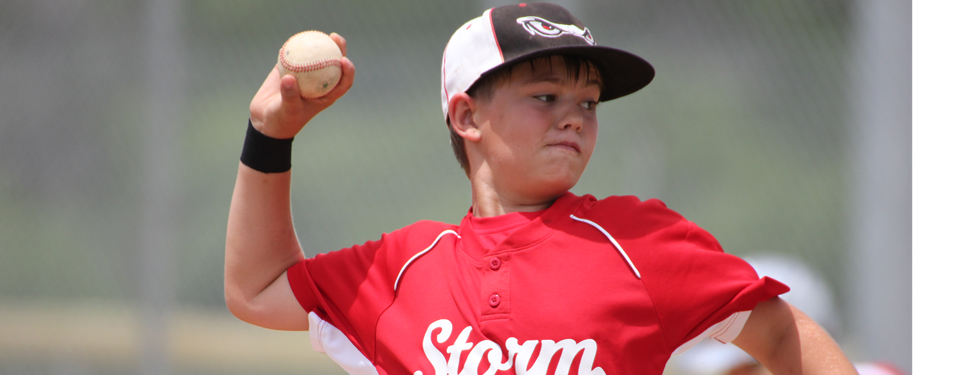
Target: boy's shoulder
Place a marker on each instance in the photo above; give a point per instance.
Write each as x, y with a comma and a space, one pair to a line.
631, 219
629, 211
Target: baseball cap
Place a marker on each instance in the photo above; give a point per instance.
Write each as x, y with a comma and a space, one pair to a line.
514, 33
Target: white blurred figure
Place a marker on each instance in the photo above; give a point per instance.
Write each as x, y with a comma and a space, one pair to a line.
879, 368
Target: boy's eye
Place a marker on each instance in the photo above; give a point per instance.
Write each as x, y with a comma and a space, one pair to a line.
589, 105
546, 98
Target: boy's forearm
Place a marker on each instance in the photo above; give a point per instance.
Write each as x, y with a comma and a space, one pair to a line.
787, 341
819, 353
261, 242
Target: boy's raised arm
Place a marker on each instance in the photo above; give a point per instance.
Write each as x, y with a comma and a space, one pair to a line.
786, 341
261, 242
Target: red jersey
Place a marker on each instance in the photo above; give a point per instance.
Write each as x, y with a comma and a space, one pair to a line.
589, 286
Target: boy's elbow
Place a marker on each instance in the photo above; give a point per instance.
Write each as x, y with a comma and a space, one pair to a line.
236, 304
238, 297
273, 308
243, 309
239, 304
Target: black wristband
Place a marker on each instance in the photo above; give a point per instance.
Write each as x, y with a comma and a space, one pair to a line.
266, 154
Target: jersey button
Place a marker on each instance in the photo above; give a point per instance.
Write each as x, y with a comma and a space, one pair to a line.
494, 300
495, 263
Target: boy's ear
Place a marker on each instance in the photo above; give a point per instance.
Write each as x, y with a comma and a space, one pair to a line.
462, 110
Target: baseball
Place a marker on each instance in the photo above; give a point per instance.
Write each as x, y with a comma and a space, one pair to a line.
314, 59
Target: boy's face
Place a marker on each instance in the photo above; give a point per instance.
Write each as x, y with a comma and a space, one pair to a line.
539, 128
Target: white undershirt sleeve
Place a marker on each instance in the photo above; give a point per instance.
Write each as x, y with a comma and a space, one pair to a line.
326, 338
725, 331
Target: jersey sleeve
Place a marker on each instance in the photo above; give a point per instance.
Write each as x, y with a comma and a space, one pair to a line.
351, 287
696, 288
718, 287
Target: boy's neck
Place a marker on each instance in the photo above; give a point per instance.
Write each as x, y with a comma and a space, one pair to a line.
488, 202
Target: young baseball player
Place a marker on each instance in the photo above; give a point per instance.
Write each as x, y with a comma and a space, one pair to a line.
534, 279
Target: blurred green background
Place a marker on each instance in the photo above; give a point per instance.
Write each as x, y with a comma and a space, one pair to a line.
121, 124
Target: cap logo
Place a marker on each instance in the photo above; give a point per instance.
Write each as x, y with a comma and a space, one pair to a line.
539, 26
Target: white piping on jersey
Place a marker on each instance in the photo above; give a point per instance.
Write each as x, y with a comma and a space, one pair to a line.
613, 241
448, 231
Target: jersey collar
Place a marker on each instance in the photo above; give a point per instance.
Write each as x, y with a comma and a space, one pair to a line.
530, 234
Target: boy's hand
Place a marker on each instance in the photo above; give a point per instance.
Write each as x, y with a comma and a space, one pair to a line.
278, 110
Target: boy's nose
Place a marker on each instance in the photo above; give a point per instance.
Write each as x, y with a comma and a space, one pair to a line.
572, 119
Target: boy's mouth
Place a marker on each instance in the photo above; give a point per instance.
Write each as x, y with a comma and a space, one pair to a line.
572, 145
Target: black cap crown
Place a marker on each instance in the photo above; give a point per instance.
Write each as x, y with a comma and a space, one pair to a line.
526, 31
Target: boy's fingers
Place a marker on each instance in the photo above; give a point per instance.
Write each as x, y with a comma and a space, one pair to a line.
346, 79
342, 43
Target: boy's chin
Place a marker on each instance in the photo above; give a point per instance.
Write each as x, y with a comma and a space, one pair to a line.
551, 189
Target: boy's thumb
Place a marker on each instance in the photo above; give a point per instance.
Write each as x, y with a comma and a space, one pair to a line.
289, 90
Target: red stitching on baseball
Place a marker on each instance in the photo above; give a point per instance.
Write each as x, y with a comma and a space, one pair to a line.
301, 68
